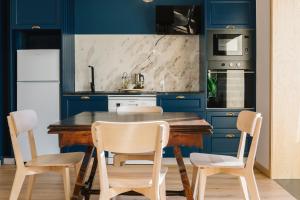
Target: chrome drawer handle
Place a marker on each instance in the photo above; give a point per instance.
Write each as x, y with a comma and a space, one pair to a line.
35, 27
230, 114
180, 97
230, 135
85, 97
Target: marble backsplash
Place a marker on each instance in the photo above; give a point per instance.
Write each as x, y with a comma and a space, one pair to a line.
169, 63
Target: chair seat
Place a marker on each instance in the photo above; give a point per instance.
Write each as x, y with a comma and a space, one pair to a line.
215, 161
56, 160
133, 176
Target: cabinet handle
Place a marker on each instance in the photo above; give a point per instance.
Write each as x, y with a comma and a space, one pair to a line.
230, 27
229, 114
230, 135
35, 27
180, 97
85, 97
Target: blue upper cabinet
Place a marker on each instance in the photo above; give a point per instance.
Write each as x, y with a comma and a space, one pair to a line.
225, 13
36, 14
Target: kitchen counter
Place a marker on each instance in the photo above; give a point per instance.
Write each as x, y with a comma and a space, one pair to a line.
105, 93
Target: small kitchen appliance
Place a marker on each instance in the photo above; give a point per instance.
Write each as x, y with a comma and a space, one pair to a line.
139, 80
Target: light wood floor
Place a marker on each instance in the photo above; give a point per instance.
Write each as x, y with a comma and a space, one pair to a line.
49, 187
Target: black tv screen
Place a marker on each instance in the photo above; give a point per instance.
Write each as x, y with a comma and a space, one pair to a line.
178, 20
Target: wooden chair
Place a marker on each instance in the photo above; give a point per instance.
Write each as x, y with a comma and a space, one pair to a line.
24, 122
208, 164
139, 109
119, 159
131, 138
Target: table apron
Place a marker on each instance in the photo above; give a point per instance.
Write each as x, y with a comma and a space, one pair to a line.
189, 139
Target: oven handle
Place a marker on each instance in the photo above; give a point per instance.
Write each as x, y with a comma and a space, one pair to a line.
225, 72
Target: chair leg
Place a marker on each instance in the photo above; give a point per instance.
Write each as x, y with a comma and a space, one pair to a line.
77, 168
67, 188
162, 190
195, 181
17, 185
202, 185
244, 186
31, 181
252, 186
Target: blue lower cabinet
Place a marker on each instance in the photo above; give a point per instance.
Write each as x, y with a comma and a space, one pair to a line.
226, 138
73, 104
183, 102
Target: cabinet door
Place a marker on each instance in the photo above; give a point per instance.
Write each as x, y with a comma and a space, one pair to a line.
240, 14
72, 105
183, 103
36, 14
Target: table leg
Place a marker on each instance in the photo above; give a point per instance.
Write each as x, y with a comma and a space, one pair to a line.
183, 173
79, 185
89, 183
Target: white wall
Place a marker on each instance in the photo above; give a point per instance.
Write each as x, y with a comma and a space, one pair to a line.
263, 79
285, 122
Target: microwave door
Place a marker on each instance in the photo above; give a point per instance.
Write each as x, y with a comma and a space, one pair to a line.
228, 44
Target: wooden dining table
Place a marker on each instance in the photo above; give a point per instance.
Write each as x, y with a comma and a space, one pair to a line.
186, 129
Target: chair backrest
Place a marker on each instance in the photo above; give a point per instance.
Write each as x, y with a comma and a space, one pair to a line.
131, 137
139, 109
21, 122
249, 122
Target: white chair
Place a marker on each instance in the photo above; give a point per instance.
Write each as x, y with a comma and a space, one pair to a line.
24, 122
119, 159
131, 138
208, 164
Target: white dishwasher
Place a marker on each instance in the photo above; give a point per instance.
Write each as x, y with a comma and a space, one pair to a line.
115, 101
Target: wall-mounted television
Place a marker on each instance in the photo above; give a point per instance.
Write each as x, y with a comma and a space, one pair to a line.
178, 20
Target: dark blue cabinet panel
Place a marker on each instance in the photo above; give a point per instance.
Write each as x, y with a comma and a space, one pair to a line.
226, 138
2, 121
182, 102
72, 105
238, 13
222, 120
44, 14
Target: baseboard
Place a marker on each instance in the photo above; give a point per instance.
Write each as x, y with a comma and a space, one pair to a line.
9, 161
262, 169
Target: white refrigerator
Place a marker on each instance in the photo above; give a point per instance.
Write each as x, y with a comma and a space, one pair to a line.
38, 89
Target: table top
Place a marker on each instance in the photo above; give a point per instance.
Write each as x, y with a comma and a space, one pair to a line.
84, 120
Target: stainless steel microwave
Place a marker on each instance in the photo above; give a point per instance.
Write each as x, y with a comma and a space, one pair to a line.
231, 44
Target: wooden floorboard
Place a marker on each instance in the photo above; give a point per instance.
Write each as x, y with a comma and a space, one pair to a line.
49, 186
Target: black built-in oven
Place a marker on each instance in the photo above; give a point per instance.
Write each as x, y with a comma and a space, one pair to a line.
231, 73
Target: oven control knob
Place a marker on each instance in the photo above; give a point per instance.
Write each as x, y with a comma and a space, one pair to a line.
223, 64
238, 64
231, 64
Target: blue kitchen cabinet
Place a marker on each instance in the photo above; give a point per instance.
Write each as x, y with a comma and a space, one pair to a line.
2, 118
226, 138
74, 104
184, 102
231, 13
36, 14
